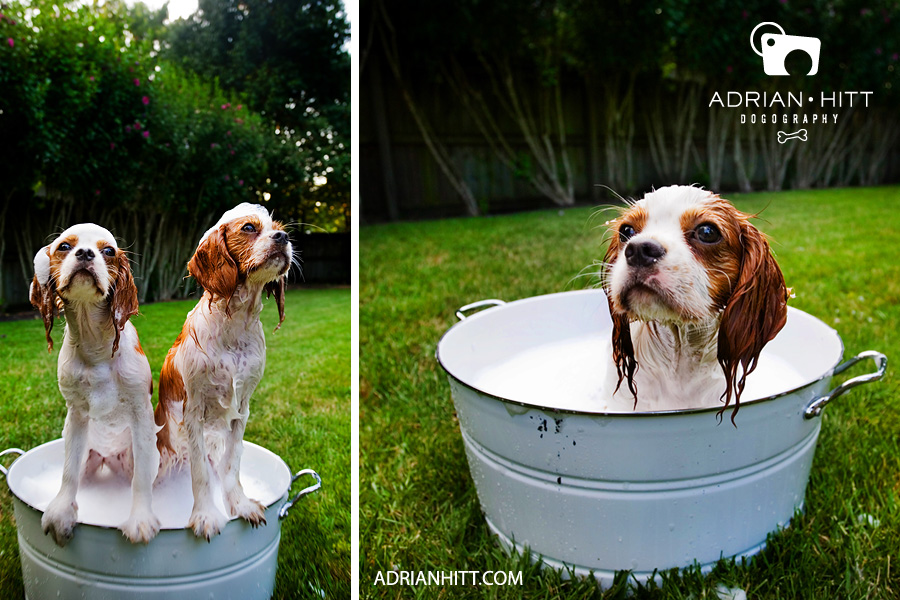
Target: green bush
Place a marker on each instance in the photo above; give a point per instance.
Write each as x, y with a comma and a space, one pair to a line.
96, 126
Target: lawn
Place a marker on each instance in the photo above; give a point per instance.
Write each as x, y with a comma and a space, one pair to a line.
300, 411
418, 507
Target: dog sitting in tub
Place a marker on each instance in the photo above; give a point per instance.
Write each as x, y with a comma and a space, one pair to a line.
103, 375
217, 361
694, 294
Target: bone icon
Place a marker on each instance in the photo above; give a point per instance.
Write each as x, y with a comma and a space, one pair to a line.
797, 135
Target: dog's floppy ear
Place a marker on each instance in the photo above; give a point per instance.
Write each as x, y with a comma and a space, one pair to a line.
214, 268
276, 288
622, 346
123, 297
43, 292
623, 353
755, 313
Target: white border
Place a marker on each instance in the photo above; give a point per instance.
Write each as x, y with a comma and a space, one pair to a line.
353, 16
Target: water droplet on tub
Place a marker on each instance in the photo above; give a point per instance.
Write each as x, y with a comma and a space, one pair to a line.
515, 409
671, 526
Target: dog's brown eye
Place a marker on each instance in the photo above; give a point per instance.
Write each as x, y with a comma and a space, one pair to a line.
64, 247
109, 251
249, 228
626, 232
708, 233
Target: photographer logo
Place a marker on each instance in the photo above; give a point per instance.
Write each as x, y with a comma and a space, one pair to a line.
793, 110
777, 46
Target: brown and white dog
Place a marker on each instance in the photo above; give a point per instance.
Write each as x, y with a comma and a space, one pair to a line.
219, 358
695, 294
103, 374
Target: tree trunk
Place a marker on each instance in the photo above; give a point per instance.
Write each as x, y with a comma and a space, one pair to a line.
542, 128
885, 128
435, 146
671, 124
745, 159
718, 129
4, 301
619, 139
594, 158
385, 153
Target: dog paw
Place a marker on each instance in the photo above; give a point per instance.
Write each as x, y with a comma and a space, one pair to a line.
59, 520
250, 510
206, 523
140, 528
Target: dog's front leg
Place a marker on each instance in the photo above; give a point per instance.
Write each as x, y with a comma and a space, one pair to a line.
235, 498
142, 525
206, 520
62, 513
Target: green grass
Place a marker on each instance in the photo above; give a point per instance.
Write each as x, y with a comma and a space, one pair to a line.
418, 508
300, 411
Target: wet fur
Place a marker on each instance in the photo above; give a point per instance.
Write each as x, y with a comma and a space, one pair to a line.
103, 375
217, 361
712, 328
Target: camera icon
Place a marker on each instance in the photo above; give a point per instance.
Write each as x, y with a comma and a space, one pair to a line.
776, 47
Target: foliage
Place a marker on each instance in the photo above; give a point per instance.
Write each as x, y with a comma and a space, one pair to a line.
288, 60
20, 106
615, 23
95, 121
859, 41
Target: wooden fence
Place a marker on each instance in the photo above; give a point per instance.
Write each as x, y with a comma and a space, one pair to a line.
675, 137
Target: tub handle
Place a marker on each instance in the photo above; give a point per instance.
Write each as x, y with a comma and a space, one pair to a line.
283, 511
15, 451
461, 313
814, 409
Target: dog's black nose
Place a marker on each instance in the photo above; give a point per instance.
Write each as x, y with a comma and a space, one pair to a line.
643, 253
280, 237
84, 254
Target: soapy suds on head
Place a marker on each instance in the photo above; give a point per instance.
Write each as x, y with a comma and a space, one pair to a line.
571, 374
244, 209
